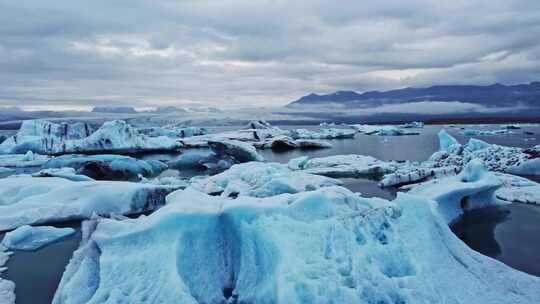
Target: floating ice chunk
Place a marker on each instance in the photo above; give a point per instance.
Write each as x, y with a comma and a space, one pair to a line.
382, 130
23, 160
473, 132
173, 132
414, 124
67, 173
32, 238
332, 133
6, 171
259, 124
108, 166
511, 126
297, 163
446, 140
239, 151
114, 136
191, 159
411, 175
528, 167
523, 195
473, 187
260, 180
26, 200
340, 166
328, 245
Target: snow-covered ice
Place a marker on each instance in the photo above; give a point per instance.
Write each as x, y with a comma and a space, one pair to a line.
325, 246
474, 132
383, 130
341, 166
26, 200
260, 180
67, 173
108, 166
32, 238
172, 132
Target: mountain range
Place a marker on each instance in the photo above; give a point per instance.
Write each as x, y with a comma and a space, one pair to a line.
495, 95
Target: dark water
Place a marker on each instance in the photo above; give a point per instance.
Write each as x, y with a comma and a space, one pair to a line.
501, 234
509, 234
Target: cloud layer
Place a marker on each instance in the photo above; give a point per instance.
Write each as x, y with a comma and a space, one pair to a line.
264, 53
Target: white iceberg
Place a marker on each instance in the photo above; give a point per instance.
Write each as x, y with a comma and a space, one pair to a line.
108, 166
331, 133
26, 200
32, 238
474, 132
341, 166
382, 130
112, 137
324, 246
260, 180
173, 132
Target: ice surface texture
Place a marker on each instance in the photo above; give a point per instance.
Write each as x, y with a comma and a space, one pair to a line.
324, 246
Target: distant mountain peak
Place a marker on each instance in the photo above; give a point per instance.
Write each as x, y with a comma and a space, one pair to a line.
489, 95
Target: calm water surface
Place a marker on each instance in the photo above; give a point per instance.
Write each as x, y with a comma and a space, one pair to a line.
510, 234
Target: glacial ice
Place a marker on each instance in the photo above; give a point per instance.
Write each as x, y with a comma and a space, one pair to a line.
112, 137
341, 166
446, 140
474, 132
29, 159
472, 188
382, 130
330, 133
32, 238
108, 166
260, 180
26, 200
172, 132
325, 246
67, 173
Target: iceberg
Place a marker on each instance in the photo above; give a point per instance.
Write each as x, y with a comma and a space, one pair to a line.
27, 200
473, 132
330, 133
260, 180
32, 238
413, 124
341, 166
112, 137
237, 150
173, 132
108, 166
325, 246
496, 158
285, 143
382, 130
416, 174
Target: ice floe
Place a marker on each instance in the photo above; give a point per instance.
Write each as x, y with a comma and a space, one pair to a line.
173, 132
383, 130
32, 238
341, 166
112, 137
67, 173
26, 200
323, 246
108, 166
260, 180
474, 132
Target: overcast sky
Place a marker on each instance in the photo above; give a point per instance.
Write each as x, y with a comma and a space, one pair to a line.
65, 54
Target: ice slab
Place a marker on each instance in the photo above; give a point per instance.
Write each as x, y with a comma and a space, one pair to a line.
32, 238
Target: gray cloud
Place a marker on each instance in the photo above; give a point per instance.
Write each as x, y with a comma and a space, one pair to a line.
240, 52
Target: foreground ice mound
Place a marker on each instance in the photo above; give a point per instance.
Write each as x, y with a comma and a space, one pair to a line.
32, 238
113, 137
108, 166
341, 166
474, 187
324, 246
260, 180
26, 200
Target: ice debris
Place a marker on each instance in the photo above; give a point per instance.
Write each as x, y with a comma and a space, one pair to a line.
32, 238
